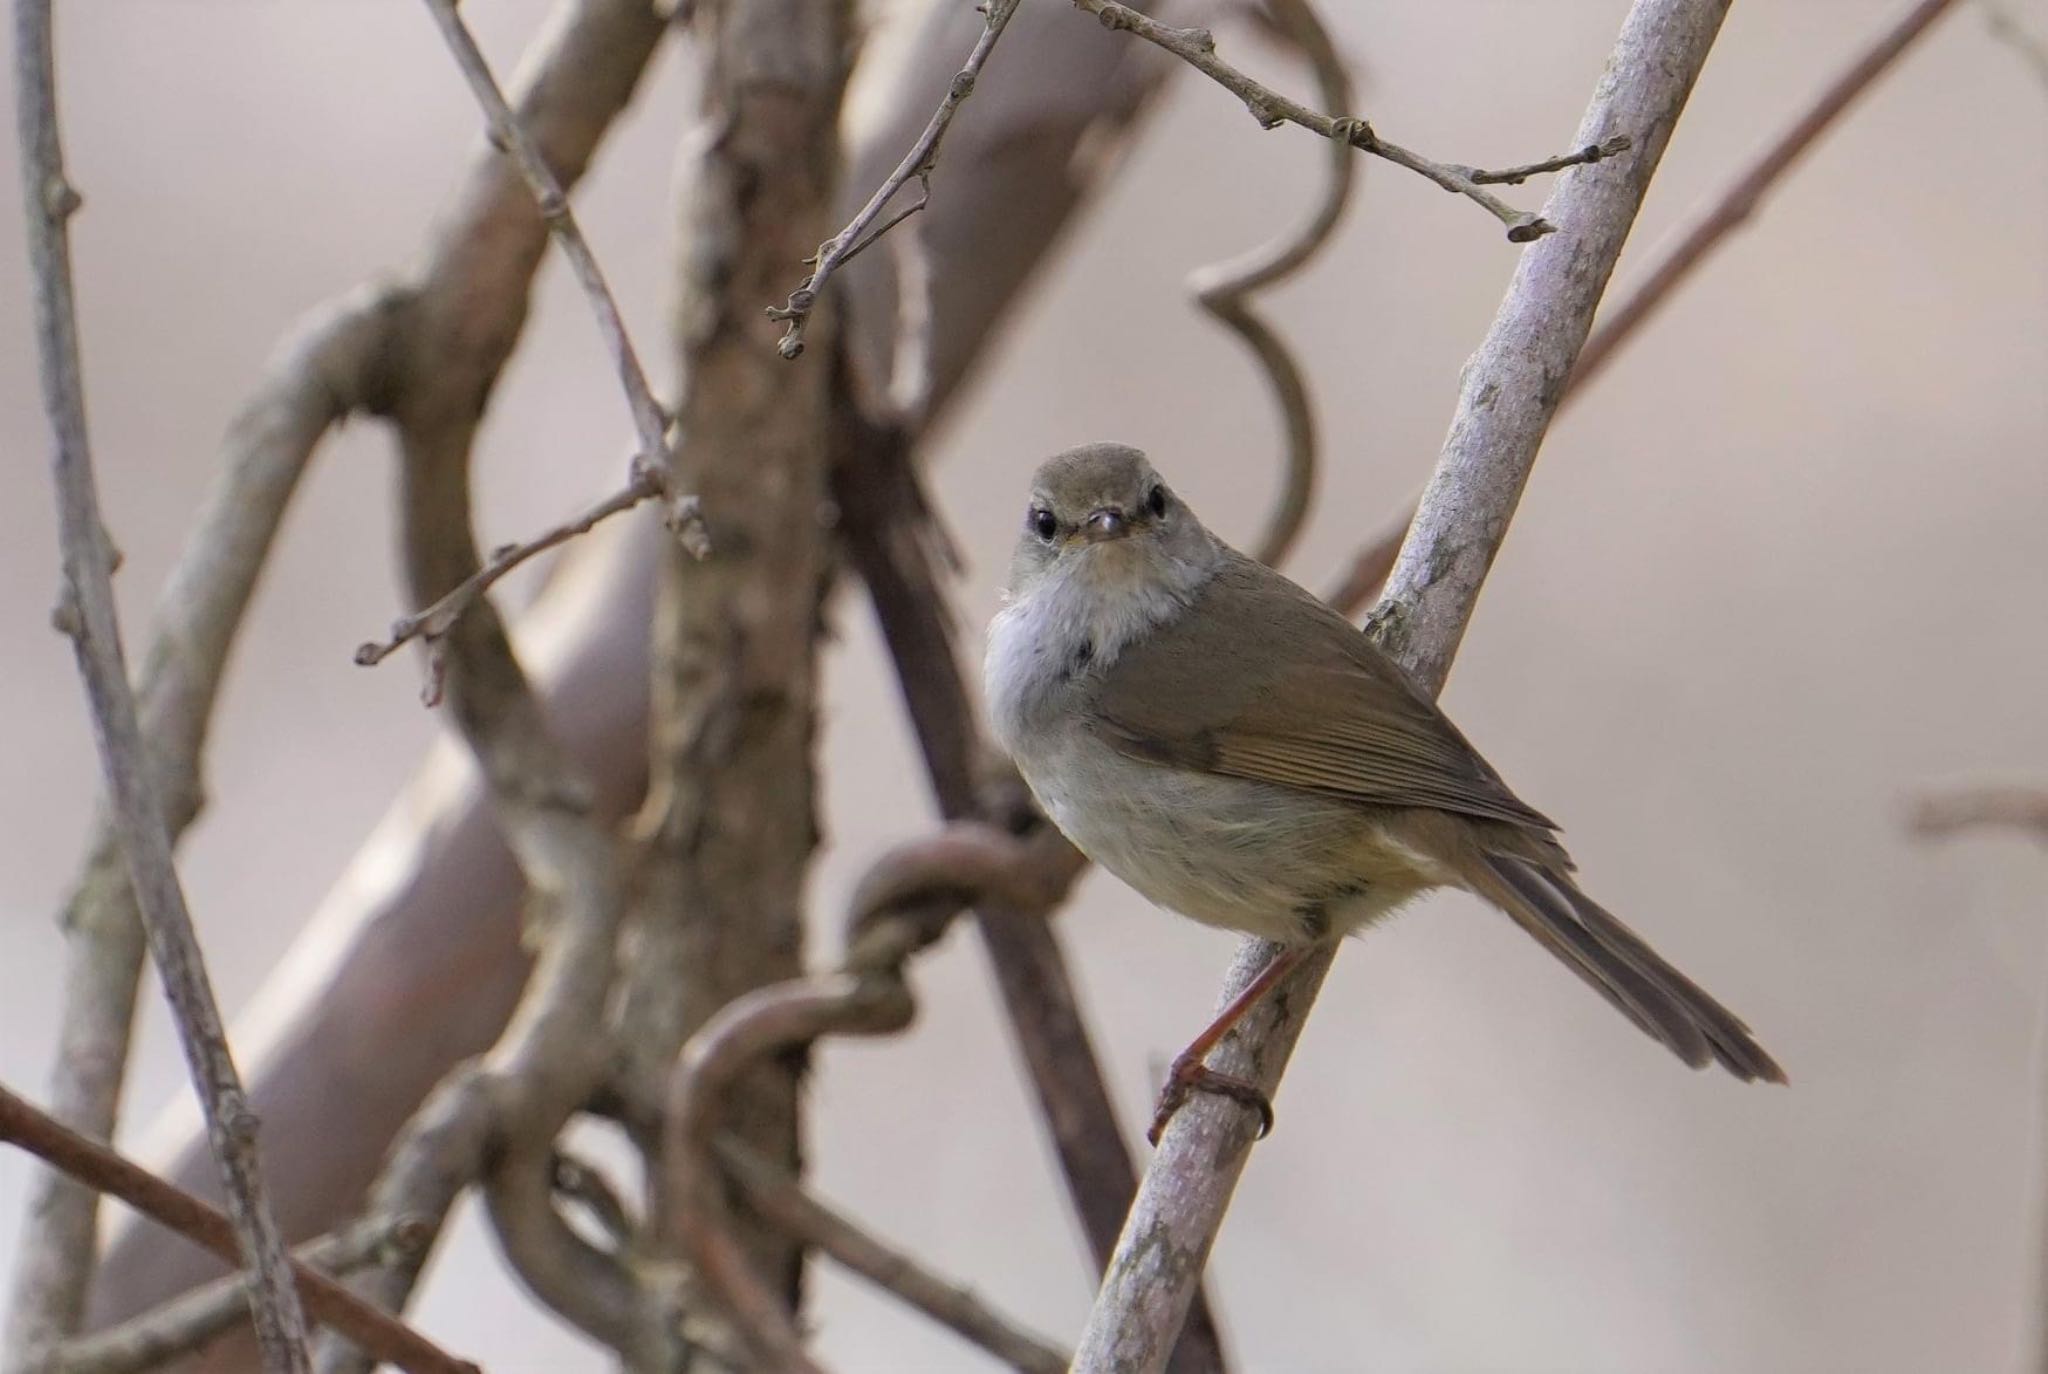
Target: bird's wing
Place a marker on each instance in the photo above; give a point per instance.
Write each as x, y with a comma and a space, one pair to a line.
1262, 681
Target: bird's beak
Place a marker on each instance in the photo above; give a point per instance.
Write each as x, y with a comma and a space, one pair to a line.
1105, 524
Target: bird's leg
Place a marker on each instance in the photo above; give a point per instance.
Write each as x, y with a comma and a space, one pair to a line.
1190, 1075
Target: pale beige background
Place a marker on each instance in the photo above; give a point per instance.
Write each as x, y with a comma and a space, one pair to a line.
1784, 566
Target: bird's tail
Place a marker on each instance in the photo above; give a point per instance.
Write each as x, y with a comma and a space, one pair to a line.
1616, 962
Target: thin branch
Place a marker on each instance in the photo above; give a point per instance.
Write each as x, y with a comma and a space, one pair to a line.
433, 623
906, 902
193, 1319
1225, 289
509, 136
1197, 48
1941, 815
918, 163
1723, 214
778, 1197
1511, 390
96, 636
1584, 157
99, 1168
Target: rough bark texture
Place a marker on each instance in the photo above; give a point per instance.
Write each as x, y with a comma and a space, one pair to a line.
1511, 389
730, 823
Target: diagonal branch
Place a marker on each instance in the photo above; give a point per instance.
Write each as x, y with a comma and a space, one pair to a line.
919, 162
99, 1168
87, 614
1197, 48
1511, 390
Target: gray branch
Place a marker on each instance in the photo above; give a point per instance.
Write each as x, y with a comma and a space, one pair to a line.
1511, 389
87, 614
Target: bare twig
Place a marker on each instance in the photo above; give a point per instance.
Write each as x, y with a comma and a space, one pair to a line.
778, 1197
1225, 289
1511, 390
1515, 176
509, 136
193, 1319
1940, 815
1197, 48
1725, 212
101, 1169
918, 163
906, 903
432, 623
96, 635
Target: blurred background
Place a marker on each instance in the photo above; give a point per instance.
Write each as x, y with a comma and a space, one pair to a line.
1781, 569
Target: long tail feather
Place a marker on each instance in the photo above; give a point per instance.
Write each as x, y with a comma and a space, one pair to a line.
1618, 963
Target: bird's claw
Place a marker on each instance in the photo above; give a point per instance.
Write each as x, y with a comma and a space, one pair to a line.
1189, 1076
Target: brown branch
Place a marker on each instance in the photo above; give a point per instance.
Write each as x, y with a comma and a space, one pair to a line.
192, 1320
1584, 157
919, 163
1197, 48
89, 618
100, 1169
1225, 289
778, 1197
431, 624
1510, 392
904, 905
1940, 815
889, 538
1725, 212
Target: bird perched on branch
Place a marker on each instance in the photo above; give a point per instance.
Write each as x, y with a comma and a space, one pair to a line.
1240, 753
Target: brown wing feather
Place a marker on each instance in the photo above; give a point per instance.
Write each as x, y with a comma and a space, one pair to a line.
1329, 714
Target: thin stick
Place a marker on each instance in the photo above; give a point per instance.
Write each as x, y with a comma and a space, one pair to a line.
433, 622
1197, 48
649, 419
1508, 399
1723, 214
23, 1124
193, 1319
89, 617
918, 163
778, 1197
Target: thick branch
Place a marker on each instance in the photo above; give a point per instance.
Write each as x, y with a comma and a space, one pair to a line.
1511, 390
100, 1169
87, 614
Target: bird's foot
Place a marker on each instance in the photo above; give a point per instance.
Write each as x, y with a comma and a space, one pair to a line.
1188, 1076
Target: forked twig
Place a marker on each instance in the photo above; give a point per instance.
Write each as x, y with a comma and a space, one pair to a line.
835, 252
1197, 48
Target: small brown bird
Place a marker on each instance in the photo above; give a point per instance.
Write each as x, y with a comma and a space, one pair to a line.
1240, 753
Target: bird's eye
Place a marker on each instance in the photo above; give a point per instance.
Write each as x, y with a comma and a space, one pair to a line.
1044, 523
1155, 501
